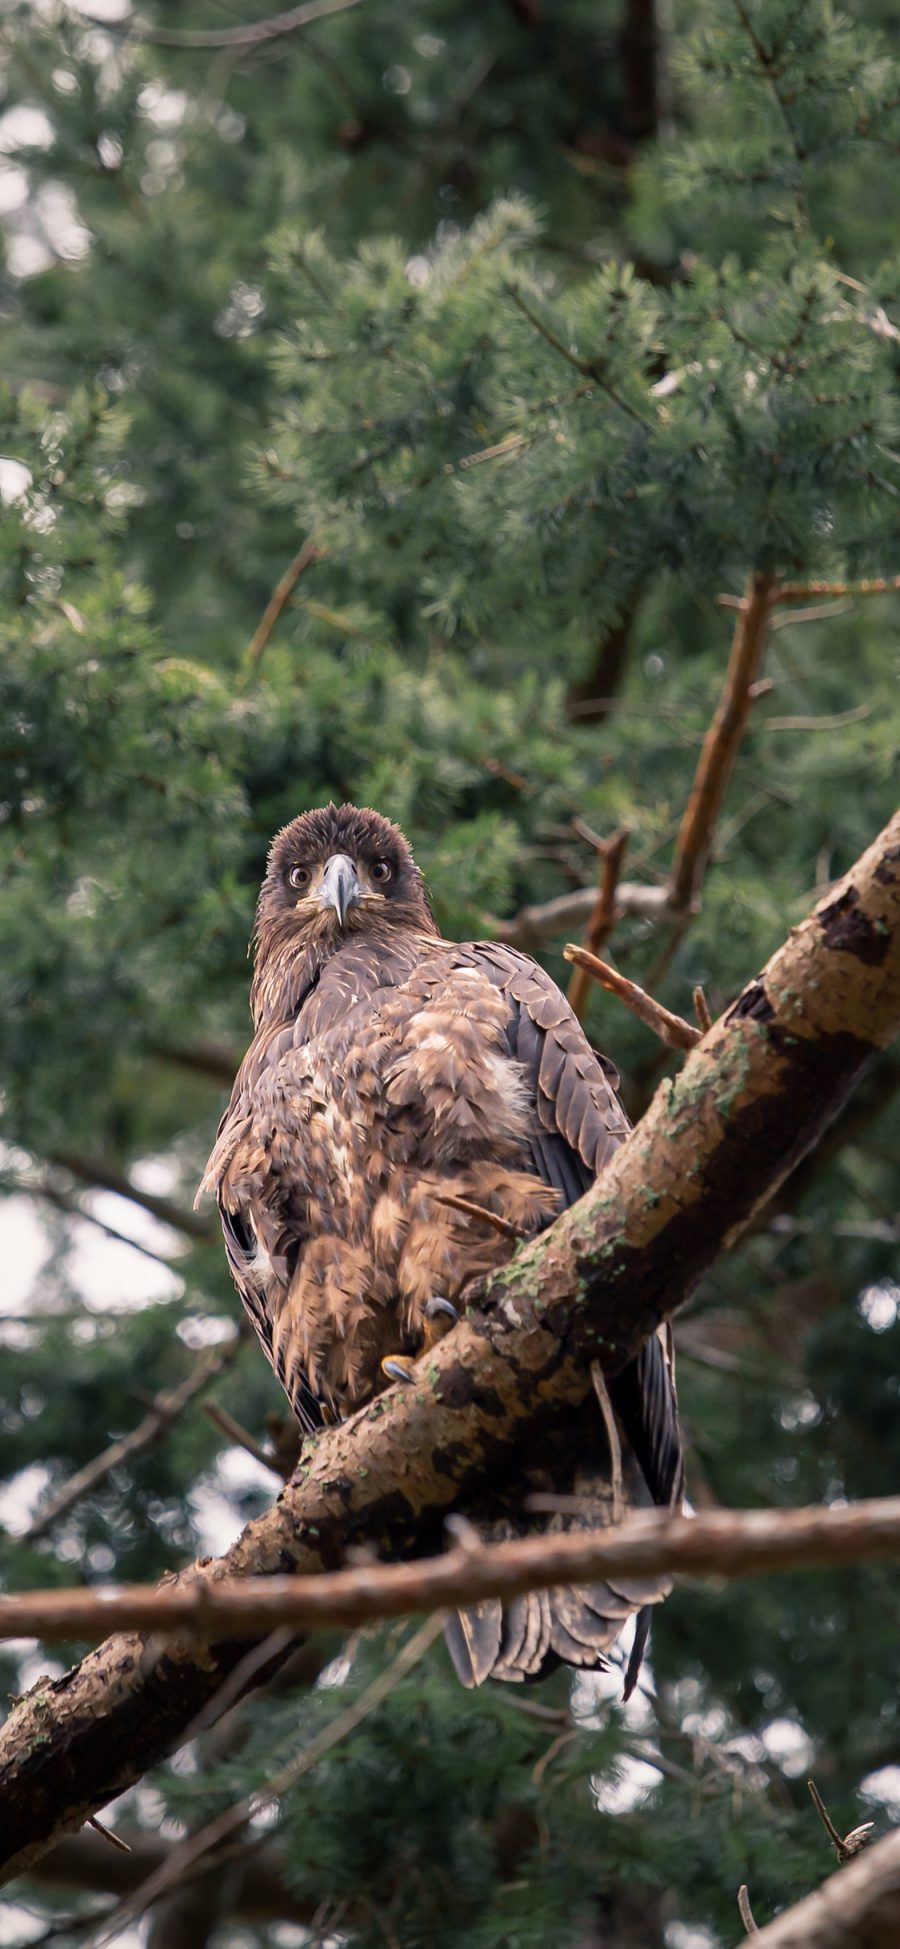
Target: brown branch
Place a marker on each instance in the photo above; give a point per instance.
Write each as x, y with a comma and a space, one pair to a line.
165, 1408
745, 1911
859, 1905
241, 1437
714, 1145
72, 1209
281, 594
701, 1009
472, 1210
846, 1846
218, 1060
721, 744
255, 34
721, 1543
533, 927
879, 585
602, 920
671, 1029
98, 1173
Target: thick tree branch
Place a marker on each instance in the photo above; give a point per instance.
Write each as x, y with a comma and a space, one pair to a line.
858, 1908
751, 1099
724, 1543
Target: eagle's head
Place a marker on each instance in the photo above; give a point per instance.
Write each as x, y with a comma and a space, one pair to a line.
338, 870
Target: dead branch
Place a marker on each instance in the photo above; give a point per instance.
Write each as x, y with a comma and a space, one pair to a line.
101, 1175
671, 1029
713, 1146
241, 39
721, 744
165, 1408
241, 1436
602, 920
471, 1210
879, 585
745, 1911
534, 926
305, 558
859, 1905
721, 1543
845, 1846
701, 1009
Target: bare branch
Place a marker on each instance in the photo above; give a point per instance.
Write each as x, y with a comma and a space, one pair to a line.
165, 1408
602, 920
671, 1029
533, 926
845, 1846
721, 1543
104, 1176
721, 744
858, 1905
242, 39
714, 1145
281, 594
241, 1437
879, 585
745, 1911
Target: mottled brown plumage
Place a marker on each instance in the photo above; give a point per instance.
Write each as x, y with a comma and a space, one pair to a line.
389, 1070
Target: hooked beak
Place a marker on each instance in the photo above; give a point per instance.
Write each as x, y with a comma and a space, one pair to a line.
340, 886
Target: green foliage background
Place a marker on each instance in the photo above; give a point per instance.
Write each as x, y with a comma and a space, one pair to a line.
546, 346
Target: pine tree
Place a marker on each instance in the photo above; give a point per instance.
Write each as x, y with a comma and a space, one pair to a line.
414, 389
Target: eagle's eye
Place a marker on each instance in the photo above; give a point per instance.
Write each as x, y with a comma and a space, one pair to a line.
299, 876
381, 870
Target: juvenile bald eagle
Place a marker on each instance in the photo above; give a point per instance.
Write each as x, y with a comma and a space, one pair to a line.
388, 1069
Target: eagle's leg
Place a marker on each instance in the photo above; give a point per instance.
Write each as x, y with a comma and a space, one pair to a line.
440, 1316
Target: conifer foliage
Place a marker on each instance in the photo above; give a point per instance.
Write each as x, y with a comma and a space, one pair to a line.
396, 406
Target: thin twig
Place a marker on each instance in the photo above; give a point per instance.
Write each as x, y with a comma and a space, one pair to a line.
115, 1840
719, 1543
589, 368
99, 1174
602, 920
721, 745
475, 1211
612, 1435
167, 1406
255, 34
671, 1029
281, 594
226, 1824
879, 585
846, 1845
241, 1436
701, 1009
745, 1911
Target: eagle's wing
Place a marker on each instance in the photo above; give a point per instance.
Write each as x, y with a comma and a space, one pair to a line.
578, 1124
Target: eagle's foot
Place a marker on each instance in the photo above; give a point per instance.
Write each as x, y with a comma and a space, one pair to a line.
398, 1367
440, 1316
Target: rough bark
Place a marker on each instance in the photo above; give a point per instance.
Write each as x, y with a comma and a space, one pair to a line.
715, 1143
858, 1908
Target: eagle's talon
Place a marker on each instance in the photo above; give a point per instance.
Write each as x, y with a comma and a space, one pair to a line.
440, 1316
398, 1367
438, 1305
